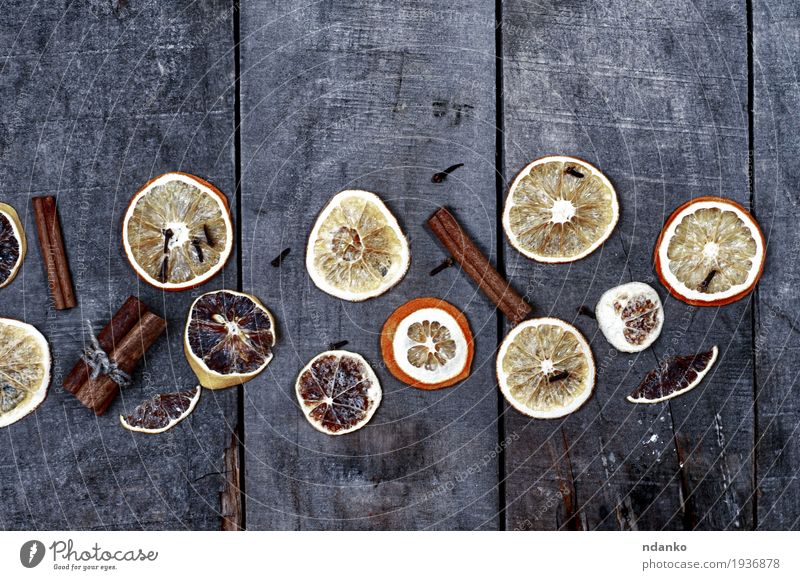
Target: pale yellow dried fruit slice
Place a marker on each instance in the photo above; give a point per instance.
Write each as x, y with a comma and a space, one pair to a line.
177, 232
545, 368
24, 370
560, 209
12, 244
356, 249
710, 252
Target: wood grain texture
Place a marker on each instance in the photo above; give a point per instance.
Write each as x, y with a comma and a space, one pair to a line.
776, 70
98, 98
655, 95
378, 96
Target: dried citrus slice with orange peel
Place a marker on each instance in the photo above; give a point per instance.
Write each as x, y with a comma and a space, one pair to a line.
12, 244
228, 339
710, 252
545, 368
427, 343
24, 370
338, 392
161, 412
177, 231
560, 209
356, 249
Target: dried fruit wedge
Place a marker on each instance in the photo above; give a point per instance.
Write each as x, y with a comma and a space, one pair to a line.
229, 338
710, 252
177, 231
560, 209
24, 370
12, 244
161, 412
356, 249
630, 316
427, 343
545, 368
338, 392
674, 377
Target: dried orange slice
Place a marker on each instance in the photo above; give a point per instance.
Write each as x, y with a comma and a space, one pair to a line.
356, 249
12, 244
229, 338
675, 376
427, 343
161, 412
338, 392
710, 252
545, 368
177, 231
24, 370
560, 209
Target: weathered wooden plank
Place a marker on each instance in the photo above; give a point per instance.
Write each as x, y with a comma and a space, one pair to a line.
654, 94
99, 97
379, 96
775, 85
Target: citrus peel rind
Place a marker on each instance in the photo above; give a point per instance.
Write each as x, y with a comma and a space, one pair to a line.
356, 249
24, 370
560, 209
427, 343
545, 368
711, 252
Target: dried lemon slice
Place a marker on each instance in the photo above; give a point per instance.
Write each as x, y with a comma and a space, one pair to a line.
545, 368
24, 370
12, 244
338, 392
630, 316
161, 412
710, 252
177, 231
427, 343
560, 209
356, 249
228, 339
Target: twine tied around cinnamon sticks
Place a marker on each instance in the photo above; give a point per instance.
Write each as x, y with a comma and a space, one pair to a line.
99, 363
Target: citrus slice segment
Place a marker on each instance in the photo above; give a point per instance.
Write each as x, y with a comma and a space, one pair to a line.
674, 377
427, 343
630, 316
710, 252
177, 232
560, 209
338, 392
161, 412
545, 368
228, 339
356, 249
12, 244
24, 370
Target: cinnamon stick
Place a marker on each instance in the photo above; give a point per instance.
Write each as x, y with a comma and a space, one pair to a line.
120, 324
477, 266
51, 244
99, 393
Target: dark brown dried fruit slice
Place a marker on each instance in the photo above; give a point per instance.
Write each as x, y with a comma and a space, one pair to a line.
674, 377
12, 244
338, 392
161, 412
229, 338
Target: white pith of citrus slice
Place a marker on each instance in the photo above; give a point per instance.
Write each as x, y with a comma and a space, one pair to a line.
177, 232
161, 412
356, 249
710, 252
545, 368
13, 244
228, 338
630, 316
24, 370
338, 392
427, 343
560, 209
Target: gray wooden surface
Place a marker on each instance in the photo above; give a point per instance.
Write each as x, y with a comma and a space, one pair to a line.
671, 99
